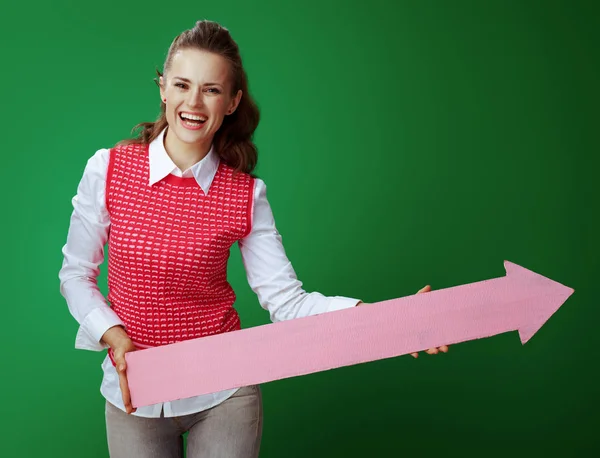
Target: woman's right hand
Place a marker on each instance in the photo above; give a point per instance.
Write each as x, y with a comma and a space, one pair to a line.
120, 343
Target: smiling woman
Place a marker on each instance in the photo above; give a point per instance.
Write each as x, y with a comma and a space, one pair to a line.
170, 203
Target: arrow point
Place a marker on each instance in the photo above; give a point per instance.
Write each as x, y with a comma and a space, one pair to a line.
540, 310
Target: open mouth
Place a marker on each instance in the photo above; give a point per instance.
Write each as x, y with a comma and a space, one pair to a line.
192, 121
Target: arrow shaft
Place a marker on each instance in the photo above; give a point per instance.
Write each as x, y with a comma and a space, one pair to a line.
331, 340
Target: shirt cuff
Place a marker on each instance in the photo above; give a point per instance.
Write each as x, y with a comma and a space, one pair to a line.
340, 303
95, 324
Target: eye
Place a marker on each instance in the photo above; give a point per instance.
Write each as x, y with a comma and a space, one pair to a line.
214, 89
181, 85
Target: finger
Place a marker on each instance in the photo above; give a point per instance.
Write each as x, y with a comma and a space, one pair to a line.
443, 348
126, 396
432, 351
425, 289
123, 385
121, 369
414, 355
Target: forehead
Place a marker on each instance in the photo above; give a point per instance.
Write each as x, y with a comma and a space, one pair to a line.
199, 66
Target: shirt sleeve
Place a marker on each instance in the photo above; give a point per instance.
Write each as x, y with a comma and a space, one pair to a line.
84, 252
270, 273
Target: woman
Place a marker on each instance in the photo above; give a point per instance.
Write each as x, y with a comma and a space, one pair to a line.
174, 200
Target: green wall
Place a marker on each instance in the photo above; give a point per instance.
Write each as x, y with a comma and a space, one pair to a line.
403, 143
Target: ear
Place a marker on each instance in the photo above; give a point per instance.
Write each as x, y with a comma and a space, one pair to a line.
235, 102
161, 84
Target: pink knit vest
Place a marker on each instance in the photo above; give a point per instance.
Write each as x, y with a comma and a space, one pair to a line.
168, 249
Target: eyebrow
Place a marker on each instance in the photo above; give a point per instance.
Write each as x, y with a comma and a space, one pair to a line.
188, 81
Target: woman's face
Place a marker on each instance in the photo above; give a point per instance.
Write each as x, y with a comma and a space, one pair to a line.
197, 86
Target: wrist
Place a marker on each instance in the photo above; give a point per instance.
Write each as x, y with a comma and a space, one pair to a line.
115, 336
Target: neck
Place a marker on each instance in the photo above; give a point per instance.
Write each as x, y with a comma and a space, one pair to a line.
184, 155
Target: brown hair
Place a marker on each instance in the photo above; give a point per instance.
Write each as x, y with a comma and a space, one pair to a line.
233, 141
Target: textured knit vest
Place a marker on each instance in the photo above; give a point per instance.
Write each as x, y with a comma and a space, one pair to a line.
168, 249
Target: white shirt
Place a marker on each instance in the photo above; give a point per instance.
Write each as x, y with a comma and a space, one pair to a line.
268, 270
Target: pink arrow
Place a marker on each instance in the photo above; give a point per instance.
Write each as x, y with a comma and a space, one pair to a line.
522, 300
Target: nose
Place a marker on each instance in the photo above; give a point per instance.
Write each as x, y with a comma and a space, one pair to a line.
195, 98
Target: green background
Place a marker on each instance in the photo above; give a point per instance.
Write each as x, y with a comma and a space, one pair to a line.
403, 144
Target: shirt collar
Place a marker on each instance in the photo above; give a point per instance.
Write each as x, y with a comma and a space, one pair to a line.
161, 164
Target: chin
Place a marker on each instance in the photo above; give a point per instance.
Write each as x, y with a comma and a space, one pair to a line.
189, 136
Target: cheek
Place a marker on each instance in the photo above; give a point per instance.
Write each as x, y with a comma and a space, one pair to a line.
171, 115
219, 105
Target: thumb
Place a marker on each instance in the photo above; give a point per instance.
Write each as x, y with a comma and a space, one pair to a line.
425, 289
120, 363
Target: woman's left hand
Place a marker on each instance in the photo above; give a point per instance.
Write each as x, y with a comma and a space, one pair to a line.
431, 351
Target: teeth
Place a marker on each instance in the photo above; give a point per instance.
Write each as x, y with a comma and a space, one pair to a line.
193, 117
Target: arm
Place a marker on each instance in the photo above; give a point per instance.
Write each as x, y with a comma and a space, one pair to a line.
83, 253
271, 275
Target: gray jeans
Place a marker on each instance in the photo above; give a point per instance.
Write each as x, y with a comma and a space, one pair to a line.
232, 429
